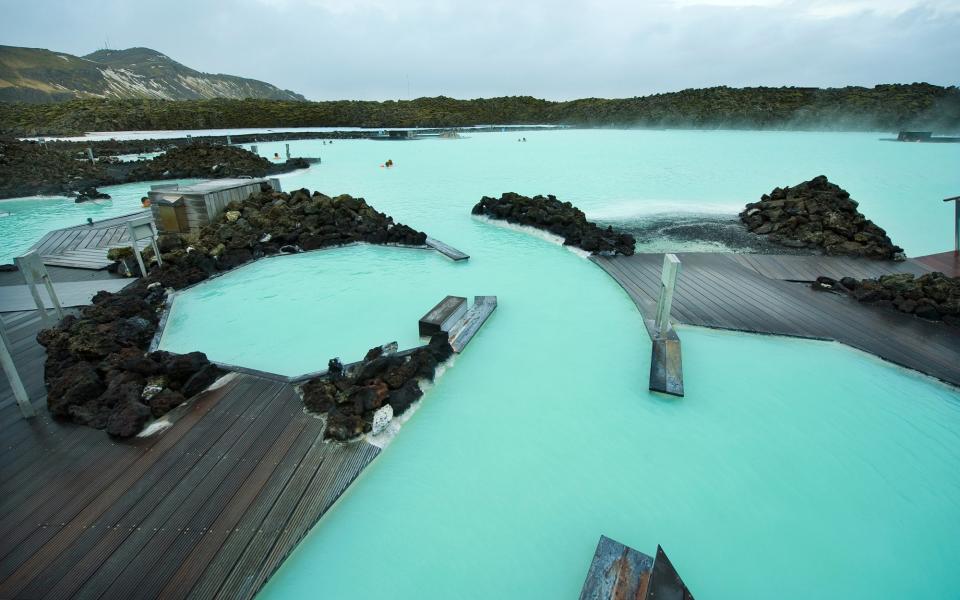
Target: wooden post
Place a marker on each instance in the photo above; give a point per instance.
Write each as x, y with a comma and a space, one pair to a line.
668, 280
90, 154
136, 250
33, 270
288, 151
956, 226
253, 148
153, 242
10, 369
143, 228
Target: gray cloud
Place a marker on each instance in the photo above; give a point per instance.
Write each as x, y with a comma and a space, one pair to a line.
371, 49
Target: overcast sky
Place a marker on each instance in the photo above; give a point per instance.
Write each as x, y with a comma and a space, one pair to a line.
380, 49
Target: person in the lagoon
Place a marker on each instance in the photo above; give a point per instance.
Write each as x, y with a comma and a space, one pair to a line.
145, 202
276, 155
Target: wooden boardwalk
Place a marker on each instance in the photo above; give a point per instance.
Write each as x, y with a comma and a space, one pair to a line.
947, 263
721, 291
85, 246
70, 293
808, 268
206, 509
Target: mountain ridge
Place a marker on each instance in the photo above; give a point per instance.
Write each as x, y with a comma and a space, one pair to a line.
38, 75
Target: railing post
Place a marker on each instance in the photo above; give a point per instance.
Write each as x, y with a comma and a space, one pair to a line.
10, 369
956, 225
668, 281
33, 270
136, 249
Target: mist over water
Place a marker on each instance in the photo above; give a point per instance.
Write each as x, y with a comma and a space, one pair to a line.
676, 190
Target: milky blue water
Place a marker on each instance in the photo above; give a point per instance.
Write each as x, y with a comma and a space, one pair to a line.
356, 298
613, 175
790, 468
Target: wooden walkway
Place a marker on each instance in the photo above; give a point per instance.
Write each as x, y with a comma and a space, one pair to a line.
85, 246
808, 268
721, 291
70, 293
947, 263
206, 509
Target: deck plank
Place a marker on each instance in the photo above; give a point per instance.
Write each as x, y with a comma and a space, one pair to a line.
754, 293
168, 515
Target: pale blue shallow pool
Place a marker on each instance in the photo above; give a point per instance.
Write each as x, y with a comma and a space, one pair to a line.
352, 299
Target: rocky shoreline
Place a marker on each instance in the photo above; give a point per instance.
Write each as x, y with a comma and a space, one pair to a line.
559, 218
818, 215
30, 168
932, 296
143, 146
363, 398
99, 372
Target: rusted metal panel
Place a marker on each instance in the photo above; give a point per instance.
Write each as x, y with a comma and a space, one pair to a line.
617, 572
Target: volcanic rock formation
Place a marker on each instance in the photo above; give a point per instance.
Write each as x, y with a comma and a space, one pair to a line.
820, 215
560, 218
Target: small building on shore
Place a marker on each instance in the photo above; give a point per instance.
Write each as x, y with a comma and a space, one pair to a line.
914, 136
185, 209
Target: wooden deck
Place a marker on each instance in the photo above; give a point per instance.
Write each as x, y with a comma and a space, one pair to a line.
70, 293
85, 246
206, 509
721, 291
947, 263
808, 268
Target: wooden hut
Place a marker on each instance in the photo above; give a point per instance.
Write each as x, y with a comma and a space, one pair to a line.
186, 208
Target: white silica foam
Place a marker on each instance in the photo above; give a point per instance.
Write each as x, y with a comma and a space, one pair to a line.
535, 232
383, 439
633, 209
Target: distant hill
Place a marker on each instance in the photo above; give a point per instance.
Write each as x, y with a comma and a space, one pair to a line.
36, 75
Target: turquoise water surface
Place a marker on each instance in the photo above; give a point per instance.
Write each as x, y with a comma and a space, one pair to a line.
354, 298
611, 174
791, 469
785, 457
